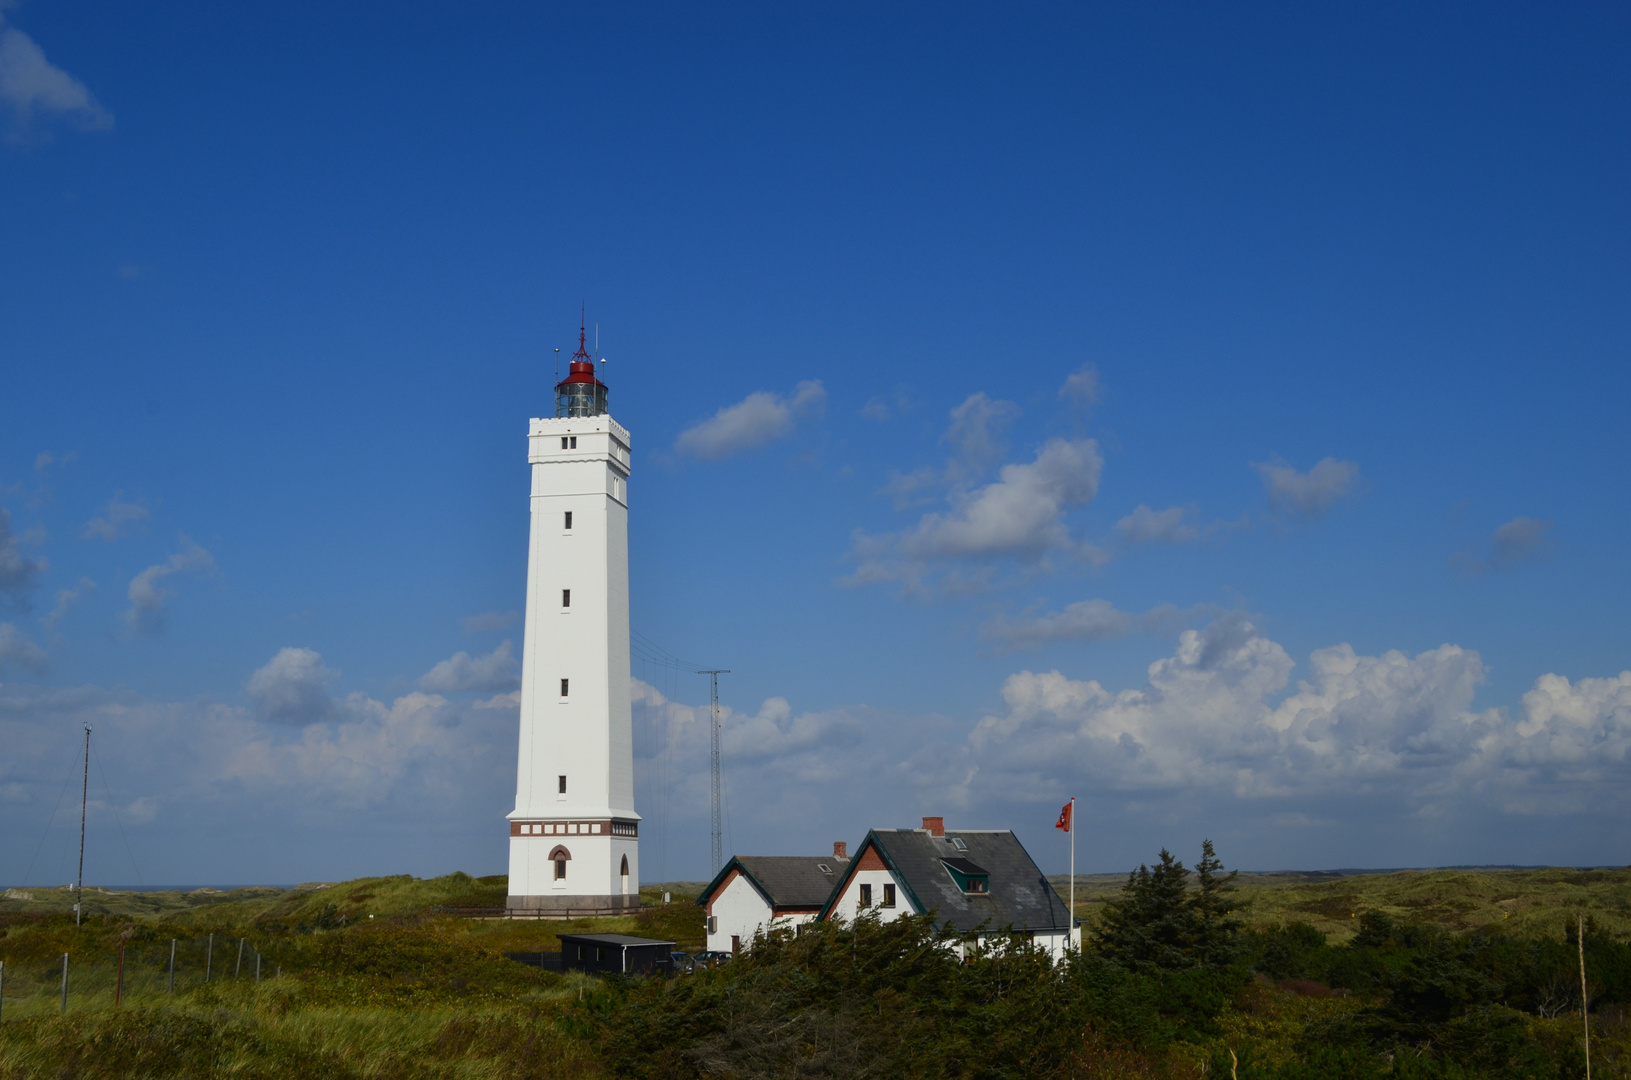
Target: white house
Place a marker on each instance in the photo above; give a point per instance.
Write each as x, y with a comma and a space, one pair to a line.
754, 893
981, 881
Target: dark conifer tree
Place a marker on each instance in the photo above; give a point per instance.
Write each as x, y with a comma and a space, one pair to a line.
1152, 925
1217, 932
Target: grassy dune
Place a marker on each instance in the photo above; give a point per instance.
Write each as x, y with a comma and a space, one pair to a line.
1528, 902
364, 979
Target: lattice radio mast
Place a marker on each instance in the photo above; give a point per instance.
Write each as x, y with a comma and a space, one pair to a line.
718, 838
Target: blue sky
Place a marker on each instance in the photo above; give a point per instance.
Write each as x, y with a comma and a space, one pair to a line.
1217, 415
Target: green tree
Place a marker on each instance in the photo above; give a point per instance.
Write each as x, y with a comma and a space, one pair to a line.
1217, 932
1151, 927
1160, 924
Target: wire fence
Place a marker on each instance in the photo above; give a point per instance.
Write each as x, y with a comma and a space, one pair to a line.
148, 972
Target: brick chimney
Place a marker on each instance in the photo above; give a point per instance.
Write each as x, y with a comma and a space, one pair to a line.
840, 850
934, 826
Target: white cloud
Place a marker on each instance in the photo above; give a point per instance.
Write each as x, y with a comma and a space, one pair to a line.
1523, 539
18, 572
31, 86
17, 651
758, 419
497, 671
1394, 732
66, 599
1308, 494
45, 459
1081, 388
293, 688
489, 622
116, 517
1146, 526
148, 602
1020, 516
1088, 620
976, 434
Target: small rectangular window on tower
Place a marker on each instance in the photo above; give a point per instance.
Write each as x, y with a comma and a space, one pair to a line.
574, 442
563, 442
569, 519
563, 687
566, 597
561, 783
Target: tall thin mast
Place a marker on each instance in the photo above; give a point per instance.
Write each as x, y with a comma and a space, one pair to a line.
84, 796
718, 832
1070, 924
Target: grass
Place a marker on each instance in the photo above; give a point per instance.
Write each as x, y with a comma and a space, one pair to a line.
376, 984
1533, 903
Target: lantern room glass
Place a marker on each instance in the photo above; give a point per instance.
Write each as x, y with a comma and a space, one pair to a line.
580, 399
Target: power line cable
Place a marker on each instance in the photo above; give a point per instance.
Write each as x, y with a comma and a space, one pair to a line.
52, 819
116, 819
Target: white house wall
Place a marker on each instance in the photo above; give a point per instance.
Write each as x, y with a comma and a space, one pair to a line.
848, 905
738, 908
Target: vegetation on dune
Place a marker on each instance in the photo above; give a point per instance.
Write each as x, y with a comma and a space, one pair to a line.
1186, 974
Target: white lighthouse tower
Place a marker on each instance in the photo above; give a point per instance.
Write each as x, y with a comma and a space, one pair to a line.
574, 835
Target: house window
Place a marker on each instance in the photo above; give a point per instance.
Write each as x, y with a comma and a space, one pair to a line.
564, 683
563, 442
713, 924
560, 869
569, 519
889, 896
823, 867
866, 896
957, 842
561, 780
566, 597
574, 442
580, 952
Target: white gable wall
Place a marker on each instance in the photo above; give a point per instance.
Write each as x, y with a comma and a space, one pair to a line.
737, 908
848, 905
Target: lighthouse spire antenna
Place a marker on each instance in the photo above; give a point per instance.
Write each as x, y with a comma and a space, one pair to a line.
583, 336
718, 833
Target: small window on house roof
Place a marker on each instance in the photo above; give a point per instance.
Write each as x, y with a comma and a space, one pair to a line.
957, 842
823, 867
969, 878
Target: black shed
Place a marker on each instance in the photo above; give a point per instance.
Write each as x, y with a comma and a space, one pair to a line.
617, 954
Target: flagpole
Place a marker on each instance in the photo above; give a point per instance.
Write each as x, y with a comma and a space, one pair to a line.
1071, 931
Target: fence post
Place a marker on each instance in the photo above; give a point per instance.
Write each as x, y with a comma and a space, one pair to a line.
257, 965
64, 982
172, 966
209, 957
239, 970
119, 984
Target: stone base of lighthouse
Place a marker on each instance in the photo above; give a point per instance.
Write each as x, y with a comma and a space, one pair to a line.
557, 873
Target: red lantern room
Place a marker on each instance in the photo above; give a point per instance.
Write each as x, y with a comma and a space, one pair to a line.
580, 393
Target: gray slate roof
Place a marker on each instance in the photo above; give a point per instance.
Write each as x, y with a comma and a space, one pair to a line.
1020, 896
614, 939
794, 881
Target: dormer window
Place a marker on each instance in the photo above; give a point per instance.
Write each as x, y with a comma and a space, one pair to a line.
973, 880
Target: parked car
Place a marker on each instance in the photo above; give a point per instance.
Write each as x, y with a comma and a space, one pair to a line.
681, 963
709, 958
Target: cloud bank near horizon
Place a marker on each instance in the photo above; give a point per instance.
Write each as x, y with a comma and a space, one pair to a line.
1223, 731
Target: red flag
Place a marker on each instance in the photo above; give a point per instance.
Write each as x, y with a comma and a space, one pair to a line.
1064, 817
